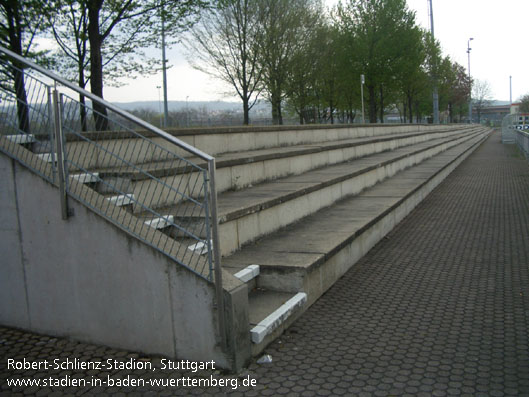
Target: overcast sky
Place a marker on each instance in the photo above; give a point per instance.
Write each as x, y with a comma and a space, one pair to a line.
499, 50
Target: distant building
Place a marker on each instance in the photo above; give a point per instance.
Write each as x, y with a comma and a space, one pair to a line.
493, 114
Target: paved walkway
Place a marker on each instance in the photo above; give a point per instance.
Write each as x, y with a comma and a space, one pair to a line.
439, 307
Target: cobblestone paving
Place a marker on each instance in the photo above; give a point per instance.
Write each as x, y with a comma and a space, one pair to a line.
440, 307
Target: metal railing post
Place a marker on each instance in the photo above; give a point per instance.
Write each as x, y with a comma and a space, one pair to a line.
216, 253
57, 111
52, 133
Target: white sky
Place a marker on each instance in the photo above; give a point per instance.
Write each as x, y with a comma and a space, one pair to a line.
499, 50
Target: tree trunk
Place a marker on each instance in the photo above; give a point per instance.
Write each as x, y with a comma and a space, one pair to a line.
372, 104
381, 104
22, 101
410, 108
96, 63
331, 109
246, 110
15, 41
277, 118
82, 102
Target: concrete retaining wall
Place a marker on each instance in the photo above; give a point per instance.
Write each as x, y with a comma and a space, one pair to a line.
88, 279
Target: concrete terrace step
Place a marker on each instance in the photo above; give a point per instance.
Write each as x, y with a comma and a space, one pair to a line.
215, 141
242, 169
310, 255
92, 149
253, 212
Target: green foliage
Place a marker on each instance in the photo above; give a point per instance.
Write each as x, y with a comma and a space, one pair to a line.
297, 55
286, 29
385, 44
20, 22
524, 104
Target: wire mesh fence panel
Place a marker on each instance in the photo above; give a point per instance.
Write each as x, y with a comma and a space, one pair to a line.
26, 118
508, 128
150, 184
515, 129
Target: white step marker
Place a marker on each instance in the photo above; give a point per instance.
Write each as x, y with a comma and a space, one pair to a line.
278, 317
122, 199
86, 178
21, 138
160, 223
248, 273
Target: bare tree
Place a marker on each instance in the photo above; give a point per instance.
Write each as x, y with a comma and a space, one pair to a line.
109, 35
228, 50
481, 96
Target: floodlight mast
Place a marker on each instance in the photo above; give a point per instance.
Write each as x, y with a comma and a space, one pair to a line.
164, 73
469, 83
434, 77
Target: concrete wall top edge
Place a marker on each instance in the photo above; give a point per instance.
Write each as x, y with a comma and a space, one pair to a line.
234, 130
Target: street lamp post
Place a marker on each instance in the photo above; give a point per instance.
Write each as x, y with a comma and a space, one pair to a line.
187, 111
164, 73
159, 101
435, 93
510, 89
469, 83
362, 82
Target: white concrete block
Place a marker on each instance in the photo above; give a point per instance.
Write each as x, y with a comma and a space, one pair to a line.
274, 320
199, 248
122, 199
86, 177
160, 223
47, 157
248, 273
21, 138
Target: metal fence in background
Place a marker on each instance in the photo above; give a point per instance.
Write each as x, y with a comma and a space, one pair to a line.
149, 183
508, 128
522, 140
515, 129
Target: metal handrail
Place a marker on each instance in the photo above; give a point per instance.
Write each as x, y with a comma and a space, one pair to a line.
108, 105
210, 208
